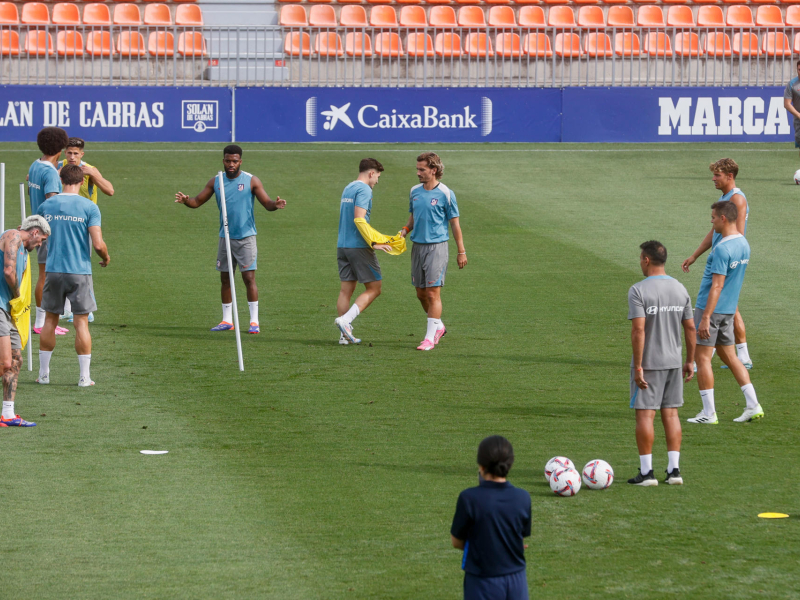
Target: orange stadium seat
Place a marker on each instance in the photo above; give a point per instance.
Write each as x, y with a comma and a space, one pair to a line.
184, 0
745, 44
357, 43
382, 16
734, 1
790, 1
793, 16
189, 15
527, 2
353, 16
419, 44
615, 1
192, 43
158, 14
96, 14
556, 1
69, 43
763, 1
99, 44
537, 44
471, 16
443, 17
717, 44
9, 15
127, 0
597, 44
39, 43
705, 1
657, 44
687, 43
650, 16
322, 15
478, 45
468, 1
413, 16
314, 1
127, 14
627, 44
532, 17
328, 43
447, 44
644, 1
131, 43
591, 17
507, 45
775, 43
379, 1
409, 1
739, 16
680, 16
561, 17
796, 46
675, 1
502, 17
348, 2
710, 16
568, 45
293, 15
498, 1
388, 44
620, 16
35, 13
161, 43
66, 13
437, 2
297, 44
769, 16
9, 43
586, 1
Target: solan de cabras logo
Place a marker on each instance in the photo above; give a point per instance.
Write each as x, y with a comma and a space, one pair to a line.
200, 115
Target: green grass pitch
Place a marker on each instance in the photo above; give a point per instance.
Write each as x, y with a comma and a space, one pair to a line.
332, 472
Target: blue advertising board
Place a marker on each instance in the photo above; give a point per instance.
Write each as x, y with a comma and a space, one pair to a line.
117, 114
668, 114
398, 115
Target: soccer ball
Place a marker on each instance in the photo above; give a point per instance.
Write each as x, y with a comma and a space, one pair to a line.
797, 177
598, 475
557, 462
565, 482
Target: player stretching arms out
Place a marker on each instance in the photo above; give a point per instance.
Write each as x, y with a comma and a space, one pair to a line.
725, 171
241, 191
14, 247
75, 229
43, 182
658, 307
714, 310
432, 205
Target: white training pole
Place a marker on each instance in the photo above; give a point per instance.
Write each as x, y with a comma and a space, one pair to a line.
2, 197
30, 321
230, 269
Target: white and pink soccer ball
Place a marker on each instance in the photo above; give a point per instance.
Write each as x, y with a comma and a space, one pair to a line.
797, 177
557, 462
565, 482
598, 474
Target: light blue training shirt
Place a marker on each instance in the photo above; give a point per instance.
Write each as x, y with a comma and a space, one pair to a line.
729, 257
239, 200
432, 211
43, 179
5, 291
357, 193
716, 237
69, 247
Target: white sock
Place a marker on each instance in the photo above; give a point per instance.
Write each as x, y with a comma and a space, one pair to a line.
742, 353
44, 362
713, 352
84, 360
646, 463
39, 317
67, 306
750, 395
227, 312
441, 325
351, 314
8, 410
433, 325
253, 311
674, 459
707, 396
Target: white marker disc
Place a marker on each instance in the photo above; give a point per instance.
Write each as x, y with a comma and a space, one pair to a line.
153, 451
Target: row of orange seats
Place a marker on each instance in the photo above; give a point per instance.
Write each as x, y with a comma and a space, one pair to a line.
566, 45
98, 43
67, 13
552, 1
533, 17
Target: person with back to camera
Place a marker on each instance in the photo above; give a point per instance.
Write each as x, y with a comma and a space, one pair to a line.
490, 523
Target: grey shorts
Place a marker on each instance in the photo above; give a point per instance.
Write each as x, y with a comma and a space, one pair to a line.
244, 253
41, 253
664, 390
358, 264
8, 329
721, 329
60, 286
429, 264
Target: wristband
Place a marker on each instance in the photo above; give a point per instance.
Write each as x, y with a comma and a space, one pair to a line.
406, 228
464, 253
638, 369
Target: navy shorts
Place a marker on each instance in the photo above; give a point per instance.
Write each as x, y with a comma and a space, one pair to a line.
505, 587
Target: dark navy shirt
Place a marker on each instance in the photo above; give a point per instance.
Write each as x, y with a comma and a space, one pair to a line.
493, 518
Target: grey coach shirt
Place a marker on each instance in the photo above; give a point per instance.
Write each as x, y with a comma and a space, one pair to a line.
664, 303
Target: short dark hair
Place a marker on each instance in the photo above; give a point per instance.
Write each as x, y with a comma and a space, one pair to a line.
76, 142
71, 174
496, 455
232, 149
369, 164
52, 140
655, 251
726, 209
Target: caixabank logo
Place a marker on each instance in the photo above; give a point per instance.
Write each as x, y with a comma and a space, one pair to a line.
200, 115
322, 119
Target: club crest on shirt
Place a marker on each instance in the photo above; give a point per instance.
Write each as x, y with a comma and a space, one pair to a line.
241, 187
434, 201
